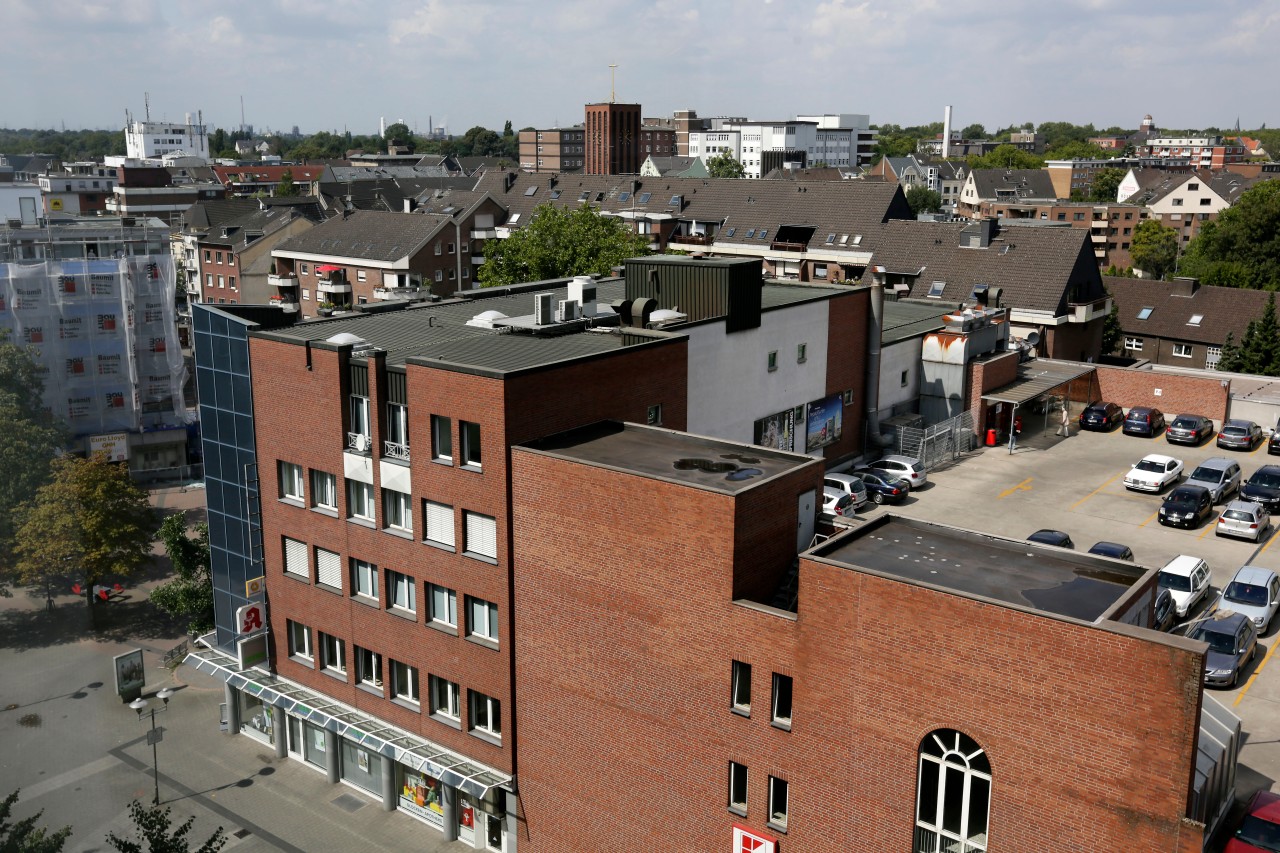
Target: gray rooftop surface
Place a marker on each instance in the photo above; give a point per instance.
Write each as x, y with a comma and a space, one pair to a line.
903, 320
678, 457
1042, 578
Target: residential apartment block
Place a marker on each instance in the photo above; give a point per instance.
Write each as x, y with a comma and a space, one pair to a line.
836, 140
79, 189
553, 150
155, 140
1203, 152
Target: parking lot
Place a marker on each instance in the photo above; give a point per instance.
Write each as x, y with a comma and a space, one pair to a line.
1076, 485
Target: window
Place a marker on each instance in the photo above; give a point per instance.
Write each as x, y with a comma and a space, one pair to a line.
359, 426
445, 698
333, 653
902, 380
935, 289
653, 416
295, 559
486, 714
1196, 320
438, 518
208, 279
444, 605
740, 689
299, 640
441, 438
439, 275
1193, 187
303, 269
764, 232
362, 275
400, 592
404, 682
1134, 344
231, 282
773, 360
778, 802
820, 270
481, 532
222, 282
1078, 217
369, 668
751, 232
291, 481
470, 435
953, 793
1182, 350
324, 490
1211, 357
737, 788
482, 619
397, 510
208, 256
729, 232
1205, 202
1145, 313
328, 568
219, 256
782, 701
1177, 202
359, 500
364, 579
802, 353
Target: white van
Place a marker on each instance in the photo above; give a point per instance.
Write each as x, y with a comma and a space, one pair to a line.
1187, 579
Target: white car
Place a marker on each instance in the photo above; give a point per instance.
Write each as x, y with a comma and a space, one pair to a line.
903, 467
1187, 579
1153, 472
847, 484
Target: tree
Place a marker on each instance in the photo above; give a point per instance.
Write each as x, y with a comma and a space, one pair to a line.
1154, 248
89, 516
399, 134
974, 131
558, 243
1075, 150
26, 836
286, 187
155, 827
1111, 330
191, 592
723, 165
1259, 350
1006, 157
1231, 360
924, 200
1241, 248
1106, 184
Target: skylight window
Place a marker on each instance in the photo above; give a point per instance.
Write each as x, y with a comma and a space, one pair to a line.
586, 194
1145, 313
533, 189
857, 239
1196, 320
515, 217
764, 232
643, 198
831, 239
599, 196
555, 194
624, 196
729, 233
935, 289
751, 232
675, 199
844, 239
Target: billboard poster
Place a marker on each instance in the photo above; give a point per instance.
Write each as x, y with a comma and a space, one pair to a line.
823, 422
114, 444
420, 794
130, 675
776, 431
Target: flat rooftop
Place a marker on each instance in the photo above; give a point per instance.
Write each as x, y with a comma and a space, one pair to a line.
678, 457
1052, 580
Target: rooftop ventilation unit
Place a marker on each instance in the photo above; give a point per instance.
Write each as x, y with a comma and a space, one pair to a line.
485, 319
543, 304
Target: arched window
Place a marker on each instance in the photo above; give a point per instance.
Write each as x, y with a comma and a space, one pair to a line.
953, 797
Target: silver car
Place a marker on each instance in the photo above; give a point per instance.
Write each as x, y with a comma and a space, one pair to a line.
1219, 475
903, 467
1254, 593
1245, 519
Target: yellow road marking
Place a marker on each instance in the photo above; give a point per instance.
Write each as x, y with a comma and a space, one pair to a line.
1153, 517
1094, 492
1268, 545
1209, 528
1275, 643
1024, 486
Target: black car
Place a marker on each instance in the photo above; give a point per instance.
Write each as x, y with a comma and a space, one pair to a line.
1165, 612
1102, 417
1143, 420
1189, 429
1052, 537
1263, 487
1273, 444
884, 488
1112, 549
1186, 506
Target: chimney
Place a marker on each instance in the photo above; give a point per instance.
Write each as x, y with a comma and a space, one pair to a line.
946, 132
410, 205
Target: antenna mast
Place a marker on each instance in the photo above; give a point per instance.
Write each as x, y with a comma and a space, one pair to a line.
146, 102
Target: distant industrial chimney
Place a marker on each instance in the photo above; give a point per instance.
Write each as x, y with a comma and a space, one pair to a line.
946, 133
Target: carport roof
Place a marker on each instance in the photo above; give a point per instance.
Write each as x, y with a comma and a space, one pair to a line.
1035, 378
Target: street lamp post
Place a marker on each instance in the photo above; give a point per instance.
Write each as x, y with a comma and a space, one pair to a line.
153, 737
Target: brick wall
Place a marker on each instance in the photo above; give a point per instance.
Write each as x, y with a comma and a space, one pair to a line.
1201, 395
984, 376
847, 367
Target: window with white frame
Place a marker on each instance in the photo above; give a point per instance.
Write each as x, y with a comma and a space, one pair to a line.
438, 518
397, 429
359, 425
779, 806
362, 275
368, 667
1212, 355
404, 682
737, 788
444, 605
400, 591
1134, 344
481, 532
441, 438
740, 688
1182, 350
359, 500
299, 641
333, 653
295, 559
328, 568
445, 698
781, 700
397, 510
486, 714
482, 619
364, 579
291, 481
470, 433
324, 490
953, 793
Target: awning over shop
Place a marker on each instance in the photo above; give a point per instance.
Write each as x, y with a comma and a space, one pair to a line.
1036, 378
356, 726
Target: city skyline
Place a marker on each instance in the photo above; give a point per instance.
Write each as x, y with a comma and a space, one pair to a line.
332, 66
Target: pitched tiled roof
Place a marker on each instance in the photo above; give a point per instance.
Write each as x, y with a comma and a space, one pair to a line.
1022, 183
261, 221
367, 235
1221, 310
1231, 186
821, 173
266, 174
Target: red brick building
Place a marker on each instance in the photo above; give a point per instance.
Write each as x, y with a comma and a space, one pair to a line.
613, 139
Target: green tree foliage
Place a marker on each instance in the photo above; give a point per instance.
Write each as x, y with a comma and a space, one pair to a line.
27, 836
1106, 184
1111, 330
895, 141
924, 200
64, 144
558, 243
190, 593
1259, 350
1074, 150
286, 187
974, 131
1006, 157
1241, 248
155, 828
1154, 248
723, 165
89, 516
1058, 133
399, 134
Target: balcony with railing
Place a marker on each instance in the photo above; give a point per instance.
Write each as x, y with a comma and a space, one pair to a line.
396, 450
290, 306
787, 246
333, 284
690, 239
410, 293
285, 280
359, 442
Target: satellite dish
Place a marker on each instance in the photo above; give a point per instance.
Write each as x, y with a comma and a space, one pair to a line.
1033, 338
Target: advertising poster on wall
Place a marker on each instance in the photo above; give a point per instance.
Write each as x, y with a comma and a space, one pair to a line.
130, 675
776, 431
420, 795
823, 422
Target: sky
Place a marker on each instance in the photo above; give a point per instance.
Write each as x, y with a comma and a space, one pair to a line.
346, 64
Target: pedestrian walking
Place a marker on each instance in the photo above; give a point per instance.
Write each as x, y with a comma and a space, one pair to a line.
1065, 429
1017, 431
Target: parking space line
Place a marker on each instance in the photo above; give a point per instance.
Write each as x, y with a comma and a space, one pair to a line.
1209, 529
1275, 642
1153, 517
1264, 548
1094, 492
1024, 486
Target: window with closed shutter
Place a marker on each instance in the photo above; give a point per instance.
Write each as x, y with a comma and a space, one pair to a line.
295, 558
482, 535
439, 523
328, 568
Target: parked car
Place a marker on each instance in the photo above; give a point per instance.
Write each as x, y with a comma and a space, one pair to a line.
1259, 829
1143, 420
1263, 487
884, 488
1233, 642
1219, 475
1163, 613
848, 484
1245, 519
1186, 506
903, 467
1239, 435
1102, 417
1189, 429
1153, 472
1051, 537
1112, 549
1273, 443
1253, 592
1187, 579
837, 504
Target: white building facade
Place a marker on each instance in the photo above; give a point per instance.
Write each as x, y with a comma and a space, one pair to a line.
155, 140
832, 139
